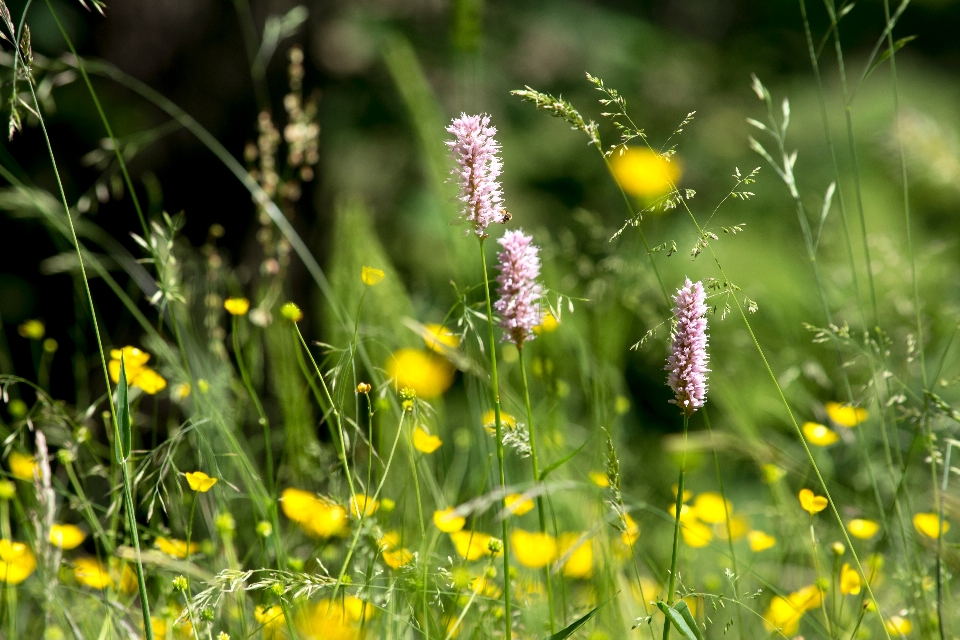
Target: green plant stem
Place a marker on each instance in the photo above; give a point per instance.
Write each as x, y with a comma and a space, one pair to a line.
264, 421
10, 591
508, 620
541, 512
816, 565
135, 538
676, 527
87, 509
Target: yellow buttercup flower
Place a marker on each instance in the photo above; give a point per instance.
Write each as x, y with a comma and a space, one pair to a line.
739, 526
291, 312
150, 381
440, 339
200, 482
471, 545
711, 507
548, 324
92, 573
447, 522
175, 548
237, 306
425, 442
336, 620
363, 504
397, 558
897, 625
579, 562
516, 505
534, 550
489, 419
784, 613
327, 520
32, 329
370, 276
695, 533
136, 369
863, 529
16, 562
644, 173
599, 478
66, 536
23, 467
845, 415
812, 503
819, 435
928, 524
632, 532
760, 541
298, 505
159, 627
849, 580
426, 373
272, 620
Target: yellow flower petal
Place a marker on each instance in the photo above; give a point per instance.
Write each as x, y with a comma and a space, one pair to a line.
644, 173
579, 562
516, 505
898, 626
928, 524
175, 548
845, 415
397, 558
849, 580
548, 324
760, 541
447, 522
709, 507
426, 373
632, 533
66, 536
819, 435
370, 276
812, 503
489, 420
92, 573
440, 339
32, 329
291, 312
599, 478
327, 520
471, 545
149, 380
534, 550
739, 526
200, 482
237, 306
863, 529
695, 533
362, 503
299, 505
16, 562
22, 466
424, 442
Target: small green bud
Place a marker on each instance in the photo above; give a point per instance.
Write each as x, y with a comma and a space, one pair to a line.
180, 583
264, 529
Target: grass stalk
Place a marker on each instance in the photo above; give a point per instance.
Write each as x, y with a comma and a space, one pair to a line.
672, 580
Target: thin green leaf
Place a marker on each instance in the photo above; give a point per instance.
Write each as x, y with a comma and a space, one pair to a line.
565, 633
688, 618
559, 463
121, 440
678, 621
897, 45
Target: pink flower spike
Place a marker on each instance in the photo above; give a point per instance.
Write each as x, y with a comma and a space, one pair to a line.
478, 169
687, 363
519, 291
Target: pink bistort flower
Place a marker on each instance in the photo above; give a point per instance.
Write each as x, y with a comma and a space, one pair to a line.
478, 169
519, 291
687, 363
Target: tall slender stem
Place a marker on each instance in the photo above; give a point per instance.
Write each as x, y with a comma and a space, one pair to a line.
676, 527
536, 478
499, 431
264, 421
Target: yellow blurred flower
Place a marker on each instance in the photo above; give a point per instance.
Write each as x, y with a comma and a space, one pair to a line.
425, 442
336, 620
362, 503
397, 558
181, 391
760, 541
471, 545
136, 369
849, 580
819, 435
784, 613
599, 478
897, 625
327, 520
447, 522
687, 494
159, 627
237, 306
7, 490
32, 329
812, 503
644, 173
22, 466
845, 415
92, 573
424, 372
695, 533
440, 338
66, 536
548, 324
516, 505
928, 524
291, 312
632, 532
199, 481
298, 505
489, 419
534, 550
863, 529
174, 547
16, 562
739, 526
579, 564
709, 507
272, 620
370, 276
772, 473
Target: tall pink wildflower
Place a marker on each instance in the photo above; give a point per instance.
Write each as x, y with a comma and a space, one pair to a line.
478, 169
687, 363
519, 291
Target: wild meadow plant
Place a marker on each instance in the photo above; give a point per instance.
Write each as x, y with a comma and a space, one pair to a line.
235, 477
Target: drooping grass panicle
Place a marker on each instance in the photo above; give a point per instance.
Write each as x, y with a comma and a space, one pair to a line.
476, 152
687, 362
519, 291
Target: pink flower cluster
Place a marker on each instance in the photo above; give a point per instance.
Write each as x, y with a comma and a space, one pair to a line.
687, 363
478, 169
519, 291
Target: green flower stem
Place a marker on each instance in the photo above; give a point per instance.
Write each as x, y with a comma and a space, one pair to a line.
135, 539
676, 528
264, 421
816, 565
536, 478
508, 622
